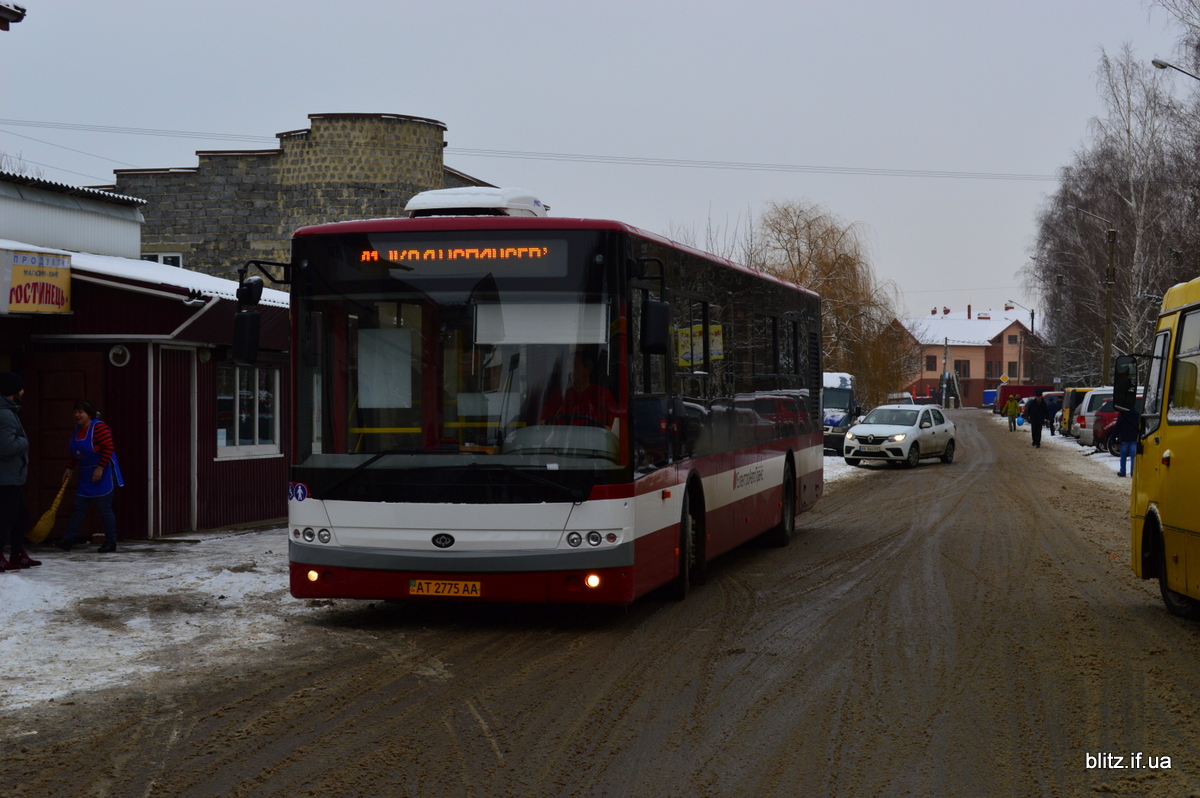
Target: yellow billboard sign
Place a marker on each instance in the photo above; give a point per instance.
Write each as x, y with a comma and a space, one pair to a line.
39, 283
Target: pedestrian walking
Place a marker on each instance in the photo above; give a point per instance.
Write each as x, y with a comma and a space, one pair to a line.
99, 475
14, 470
1035, 414
1012, 409
1127, 430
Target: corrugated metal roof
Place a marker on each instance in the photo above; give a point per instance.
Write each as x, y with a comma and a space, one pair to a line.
73, 191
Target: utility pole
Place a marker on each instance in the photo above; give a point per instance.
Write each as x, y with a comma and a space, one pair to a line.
945, 373
1058, 375
1109, 281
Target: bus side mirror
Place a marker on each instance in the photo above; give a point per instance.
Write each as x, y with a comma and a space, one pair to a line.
245, 337
656, 327
1125, 379
249, 291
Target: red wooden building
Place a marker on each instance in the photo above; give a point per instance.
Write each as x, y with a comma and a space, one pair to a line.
199, 440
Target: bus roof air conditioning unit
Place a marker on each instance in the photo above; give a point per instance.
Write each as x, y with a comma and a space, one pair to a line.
476, 202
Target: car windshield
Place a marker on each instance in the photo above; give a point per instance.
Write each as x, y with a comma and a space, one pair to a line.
891, 417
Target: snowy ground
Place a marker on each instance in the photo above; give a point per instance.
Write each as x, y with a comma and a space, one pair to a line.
85, 621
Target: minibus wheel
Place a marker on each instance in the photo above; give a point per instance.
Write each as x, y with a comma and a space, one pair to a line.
1177, 603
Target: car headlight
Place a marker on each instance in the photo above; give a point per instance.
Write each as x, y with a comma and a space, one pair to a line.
850, 436
899, 436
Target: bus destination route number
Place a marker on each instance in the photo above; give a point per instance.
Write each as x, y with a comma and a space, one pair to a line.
435, 587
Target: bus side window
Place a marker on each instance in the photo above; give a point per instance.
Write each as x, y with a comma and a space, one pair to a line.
1184, 405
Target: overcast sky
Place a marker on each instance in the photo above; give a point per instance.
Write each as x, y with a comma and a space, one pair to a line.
820, 91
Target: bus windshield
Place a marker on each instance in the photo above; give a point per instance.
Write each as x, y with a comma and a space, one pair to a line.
495, 349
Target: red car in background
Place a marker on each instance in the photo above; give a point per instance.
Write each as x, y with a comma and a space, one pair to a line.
1106, 419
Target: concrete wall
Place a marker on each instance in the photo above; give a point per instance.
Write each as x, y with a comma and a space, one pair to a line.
237, 205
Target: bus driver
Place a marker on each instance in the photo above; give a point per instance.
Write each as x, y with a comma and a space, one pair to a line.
585, 404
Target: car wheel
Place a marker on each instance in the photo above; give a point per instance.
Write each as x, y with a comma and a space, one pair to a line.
852, 461
914, 456
1176, 603
948, 455
1114, 446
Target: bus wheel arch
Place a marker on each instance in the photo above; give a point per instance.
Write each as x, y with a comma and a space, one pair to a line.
1177, 604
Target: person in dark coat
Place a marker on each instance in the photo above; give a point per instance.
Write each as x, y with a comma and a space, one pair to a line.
14, 469
1126, 429
1036, 413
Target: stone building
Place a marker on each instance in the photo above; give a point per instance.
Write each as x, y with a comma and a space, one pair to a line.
241, 204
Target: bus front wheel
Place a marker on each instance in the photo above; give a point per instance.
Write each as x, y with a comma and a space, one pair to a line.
782, 534
691, 570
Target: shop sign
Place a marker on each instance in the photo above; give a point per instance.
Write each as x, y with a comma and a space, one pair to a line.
37, 282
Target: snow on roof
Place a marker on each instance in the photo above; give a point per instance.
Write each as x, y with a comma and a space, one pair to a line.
976, 331
838, 379
145, 271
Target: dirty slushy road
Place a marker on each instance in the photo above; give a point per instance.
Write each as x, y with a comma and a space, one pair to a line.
970, 629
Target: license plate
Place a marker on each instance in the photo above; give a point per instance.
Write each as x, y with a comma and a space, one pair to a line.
439, 587
870, 448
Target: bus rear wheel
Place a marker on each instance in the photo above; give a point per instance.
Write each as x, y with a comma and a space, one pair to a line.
1177, 604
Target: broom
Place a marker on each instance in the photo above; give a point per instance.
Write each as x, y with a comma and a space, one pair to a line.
46, 522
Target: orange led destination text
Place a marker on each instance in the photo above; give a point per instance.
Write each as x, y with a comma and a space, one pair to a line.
474, 253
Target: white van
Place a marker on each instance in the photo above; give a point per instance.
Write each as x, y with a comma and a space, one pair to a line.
1085, 414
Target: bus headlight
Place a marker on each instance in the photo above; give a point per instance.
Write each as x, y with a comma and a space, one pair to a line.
313, 576
309, 535
592, 580
574, 539
594, 538
324, 536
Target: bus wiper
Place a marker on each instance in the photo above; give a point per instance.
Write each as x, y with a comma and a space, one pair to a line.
344, 478
574, 494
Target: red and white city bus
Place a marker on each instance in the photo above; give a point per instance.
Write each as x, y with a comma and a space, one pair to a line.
534, 409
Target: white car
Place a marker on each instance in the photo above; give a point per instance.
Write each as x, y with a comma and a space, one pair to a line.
900, 434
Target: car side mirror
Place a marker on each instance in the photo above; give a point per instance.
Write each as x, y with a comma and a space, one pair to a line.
925, 425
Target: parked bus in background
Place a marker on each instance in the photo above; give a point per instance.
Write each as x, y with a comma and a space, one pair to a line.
839, 408
1164, 502
491, 407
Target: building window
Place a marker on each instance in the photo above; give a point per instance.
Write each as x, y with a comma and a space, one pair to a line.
963, 369
1012, 368
165, 258
1012, 339
247, 424
931, 362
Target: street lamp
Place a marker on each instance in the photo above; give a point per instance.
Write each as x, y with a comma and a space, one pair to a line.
1164, 65
1109, 280
1008, 305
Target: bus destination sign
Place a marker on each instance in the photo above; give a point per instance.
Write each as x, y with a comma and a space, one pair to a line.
525, 258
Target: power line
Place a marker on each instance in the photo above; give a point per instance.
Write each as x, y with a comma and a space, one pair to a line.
574, 157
